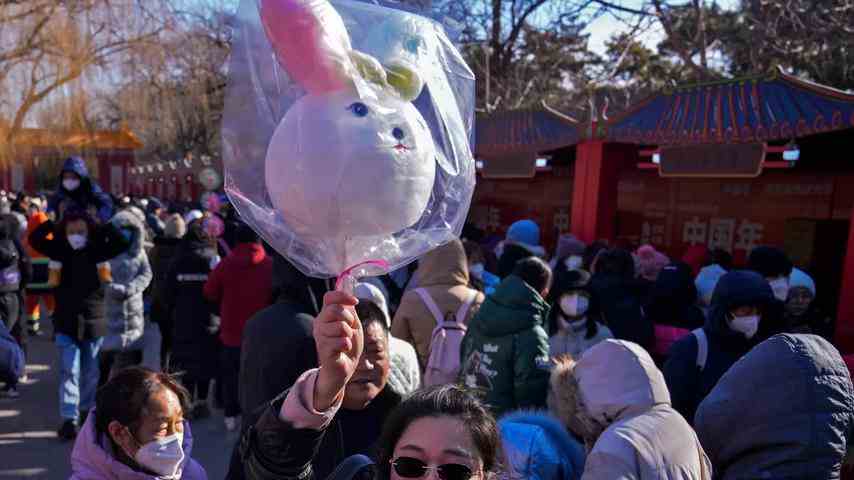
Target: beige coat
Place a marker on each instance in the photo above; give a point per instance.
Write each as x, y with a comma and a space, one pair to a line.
443, 272
616, 397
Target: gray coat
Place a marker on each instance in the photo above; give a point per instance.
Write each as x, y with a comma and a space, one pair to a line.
123, 298
784, 411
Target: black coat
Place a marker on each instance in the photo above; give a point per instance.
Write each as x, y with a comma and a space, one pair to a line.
195, 325
673, 299
161, 258
272, 449
79, 296
619, 300
687, 384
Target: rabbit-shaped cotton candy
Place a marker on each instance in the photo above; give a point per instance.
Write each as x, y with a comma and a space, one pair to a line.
341, 164
367, 155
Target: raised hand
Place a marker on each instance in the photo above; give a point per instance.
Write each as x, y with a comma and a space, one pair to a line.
340, 340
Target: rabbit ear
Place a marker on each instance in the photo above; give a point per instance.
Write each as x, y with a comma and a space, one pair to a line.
405, 80
310, 41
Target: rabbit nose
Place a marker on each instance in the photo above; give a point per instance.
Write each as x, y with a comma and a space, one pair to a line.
398, 133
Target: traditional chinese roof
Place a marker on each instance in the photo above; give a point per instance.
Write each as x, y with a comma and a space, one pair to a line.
522, 131
770, 107
103, 139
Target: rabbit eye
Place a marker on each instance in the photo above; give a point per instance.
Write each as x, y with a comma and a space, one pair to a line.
359, 109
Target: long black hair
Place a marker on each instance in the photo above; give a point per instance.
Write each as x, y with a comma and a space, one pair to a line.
441, 401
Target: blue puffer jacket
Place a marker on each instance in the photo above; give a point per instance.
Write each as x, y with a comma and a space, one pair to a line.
538, 447
11, 357
689, 385
88, 194
784, 411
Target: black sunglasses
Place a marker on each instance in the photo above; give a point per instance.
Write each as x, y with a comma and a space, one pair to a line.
408, 467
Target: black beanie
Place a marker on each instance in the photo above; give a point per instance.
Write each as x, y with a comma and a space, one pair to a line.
769, 262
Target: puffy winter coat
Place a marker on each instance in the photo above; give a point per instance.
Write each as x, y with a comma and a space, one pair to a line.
80, 295
687, 383
242, 285
88, 196
622, 401
123, 298
443, 272
92, 458
195, 325
505, 352
575, 342
784, 411
537, 447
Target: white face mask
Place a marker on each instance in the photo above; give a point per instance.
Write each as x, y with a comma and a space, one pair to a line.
573, 262
163, 456
71, 184
574, 305
780, 287
77, 241
747, 325
476, 270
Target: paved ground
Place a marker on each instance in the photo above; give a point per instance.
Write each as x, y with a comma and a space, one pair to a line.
29, 448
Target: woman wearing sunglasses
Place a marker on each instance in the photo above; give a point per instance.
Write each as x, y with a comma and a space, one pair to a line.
442, 432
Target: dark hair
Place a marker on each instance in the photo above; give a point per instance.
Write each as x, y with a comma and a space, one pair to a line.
244, 234
441, 401
535, 272
76, 214
565, 281
721, 257
769, 262
591, 252
616, 261
125, 397
369, 313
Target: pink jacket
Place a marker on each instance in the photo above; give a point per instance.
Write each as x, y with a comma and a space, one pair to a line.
92, 458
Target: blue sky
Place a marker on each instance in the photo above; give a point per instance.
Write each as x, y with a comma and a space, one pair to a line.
605, 26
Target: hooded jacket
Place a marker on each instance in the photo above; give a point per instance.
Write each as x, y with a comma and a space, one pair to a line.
242, 285
538, 447
505, 352
88, 194
621, 399
784, 411
123, 298
443, 272
92, 458
79, 296
688, 384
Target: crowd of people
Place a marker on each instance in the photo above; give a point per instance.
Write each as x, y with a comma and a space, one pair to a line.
483, 359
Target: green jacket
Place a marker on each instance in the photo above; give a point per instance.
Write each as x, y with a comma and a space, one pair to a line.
505, 353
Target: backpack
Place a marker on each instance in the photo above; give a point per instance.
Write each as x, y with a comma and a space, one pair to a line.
443, 364
702, 347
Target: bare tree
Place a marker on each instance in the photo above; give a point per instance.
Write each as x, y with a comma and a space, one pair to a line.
47, 45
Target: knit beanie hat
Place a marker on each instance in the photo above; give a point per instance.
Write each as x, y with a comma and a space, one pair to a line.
799, 278
650, 262
706, 282
568, 245
526, 232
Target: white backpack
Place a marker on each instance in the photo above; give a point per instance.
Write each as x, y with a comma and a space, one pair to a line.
443, 364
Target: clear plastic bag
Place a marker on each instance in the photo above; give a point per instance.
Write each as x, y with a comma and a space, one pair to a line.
346, 133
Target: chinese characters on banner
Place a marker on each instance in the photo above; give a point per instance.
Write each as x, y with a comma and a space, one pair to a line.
725, 233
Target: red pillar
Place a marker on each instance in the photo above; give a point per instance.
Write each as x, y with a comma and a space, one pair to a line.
594, 198
844, 336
